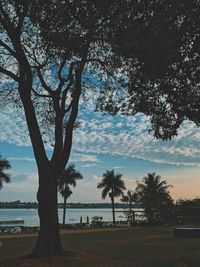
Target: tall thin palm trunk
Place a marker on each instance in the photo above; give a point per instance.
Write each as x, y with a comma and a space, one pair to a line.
130, 206
113, 209
113, 186
68, 177
64, 209
130, 210
113, 205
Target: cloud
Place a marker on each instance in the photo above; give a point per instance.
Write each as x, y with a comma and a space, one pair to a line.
87, 190
130, 183
84, 158
116, 135
23, 186
21, 159
96, 178
28, 184
131, 139
88, 165
13, 129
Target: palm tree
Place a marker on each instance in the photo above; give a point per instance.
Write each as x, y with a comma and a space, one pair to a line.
113, 186
154, 194
68, 177
4, 176
129, 198
65, 193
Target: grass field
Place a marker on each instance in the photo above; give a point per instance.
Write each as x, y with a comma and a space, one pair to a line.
134, 247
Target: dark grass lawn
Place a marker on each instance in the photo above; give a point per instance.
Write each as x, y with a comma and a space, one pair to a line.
141, 247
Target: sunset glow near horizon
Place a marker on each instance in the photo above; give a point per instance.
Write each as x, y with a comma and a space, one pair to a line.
102, 143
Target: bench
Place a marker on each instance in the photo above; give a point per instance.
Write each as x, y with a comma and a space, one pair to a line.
187, 232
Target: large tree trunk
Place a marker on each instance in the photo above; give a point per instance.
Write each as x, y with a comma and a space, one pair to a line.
48, 242
64, 209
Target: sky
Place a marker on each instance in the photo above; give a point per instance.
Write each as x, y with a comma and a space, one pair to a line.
105, 142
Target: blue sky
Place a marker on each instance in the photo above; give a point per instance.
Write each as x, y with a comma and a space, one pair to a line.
105, 142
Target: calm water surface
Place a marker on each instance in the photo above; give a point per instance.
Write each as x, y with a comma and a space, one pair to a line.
30, 216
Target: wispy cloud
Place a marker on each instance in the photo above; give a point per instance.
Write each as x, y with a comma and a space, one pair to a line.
118, 135
88, 165
84, 158
131, 139
28, 184
21, 159
13, 130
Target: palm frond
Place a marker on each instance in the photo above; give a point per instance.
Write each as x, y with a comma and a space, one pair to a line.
111, 182
4, 176
105, 192
68, 177
153, 192
125, 198
66, 192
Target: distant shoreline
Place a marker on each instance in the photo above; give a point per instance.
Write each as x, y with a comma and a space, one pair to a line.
34, 205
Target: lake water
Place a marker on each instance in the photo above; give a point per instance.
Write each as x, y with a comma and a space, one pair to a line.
30, 216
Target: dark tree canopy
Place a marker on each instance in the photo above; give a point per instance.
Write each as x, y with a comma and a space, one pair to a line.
166, 85
154, 194
160, 45
188, 203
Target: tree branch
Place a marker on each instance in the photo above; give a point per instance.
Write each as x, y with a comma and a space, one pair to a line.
69, 107
10, 74
74, 108
25, 81
65, 94
62, 80
40, 95
102, 63
60, 71
13, 53
75, 104
22, 14
43, 83
4, 18
89, 80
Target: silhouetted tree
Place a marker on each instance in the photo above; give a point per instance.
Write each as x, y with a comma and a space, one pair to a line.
112, 185
68, 177
188, 210
154, 194
164, 66
52, 54
4, 176
160, 43
130, 198
188, 203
